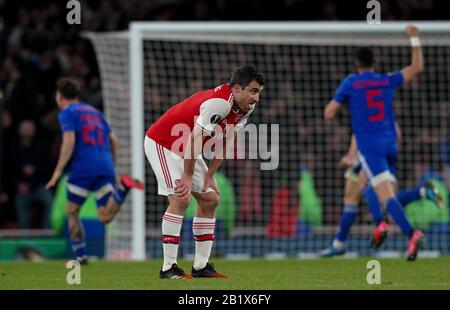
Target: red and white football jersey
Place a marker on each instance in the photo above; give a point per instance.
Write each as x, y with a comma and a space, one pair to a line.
208, 109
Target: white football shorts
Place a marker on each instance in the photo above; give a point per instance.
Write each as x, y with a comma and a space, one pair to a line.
168, 168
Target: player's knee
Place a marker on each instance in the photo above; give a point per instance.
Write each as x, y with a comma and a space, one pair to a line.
352, 193
216, 199
351, 199
210, 205
384, 198
211, 200
182, 203
385, 191
72, 212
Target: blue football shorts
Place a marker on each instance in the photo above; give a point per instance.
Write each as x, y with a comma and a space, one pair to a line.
78, 189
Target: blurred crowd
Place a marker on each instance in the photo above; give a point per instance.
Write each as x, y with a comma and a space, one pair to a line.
38, 45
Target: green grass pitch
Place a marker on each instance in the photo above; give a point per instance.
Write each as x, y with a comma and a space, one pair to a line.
255, 274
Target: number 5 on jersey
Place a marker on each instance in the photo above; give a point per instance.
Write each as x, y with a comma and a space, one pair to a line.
372, 103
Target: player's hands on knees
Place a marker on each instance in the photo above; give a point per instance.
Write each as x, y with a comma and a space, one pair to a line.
210, 182
54, 179
183, 187
412, 30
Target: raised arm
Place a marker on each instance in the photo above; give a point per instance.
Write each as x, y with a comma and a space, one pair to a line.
67, 146
417, 63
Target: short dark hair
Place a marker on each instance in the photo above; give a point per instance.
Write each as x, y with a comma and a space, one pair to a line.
68, 87
245, 75
365, 57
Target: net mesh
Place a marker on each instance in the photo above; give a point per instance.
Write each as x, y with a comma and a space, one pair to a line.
113, 56
293, 210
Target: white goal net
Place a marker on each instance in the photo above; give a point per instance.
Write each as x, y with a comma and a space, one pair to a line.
293, 210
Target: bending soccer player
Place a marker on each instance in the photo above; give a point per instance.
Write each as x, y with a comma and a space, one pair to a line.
356, 187
370, 96
92, 149
181, 171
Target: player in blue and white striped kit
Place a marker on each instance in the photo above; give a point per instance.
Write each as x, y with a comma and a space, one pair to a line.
370, 97
90, 149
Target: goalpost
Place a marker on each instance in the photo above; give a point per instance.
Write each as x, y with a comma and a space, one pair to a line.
154, 65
